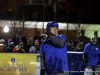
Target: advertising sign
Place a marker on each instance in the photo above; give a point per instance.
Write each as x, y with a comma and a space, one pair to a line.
18, 64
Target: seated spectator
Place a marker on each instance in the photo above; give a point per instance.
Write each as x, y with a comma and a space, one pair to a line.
29, 44
35, 48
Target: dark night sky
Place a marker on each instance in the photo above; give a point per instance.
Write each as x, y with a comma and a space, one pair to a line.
96, 11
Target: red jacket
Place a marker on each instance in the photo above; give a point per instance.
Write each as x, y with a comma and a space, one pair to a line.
14, 50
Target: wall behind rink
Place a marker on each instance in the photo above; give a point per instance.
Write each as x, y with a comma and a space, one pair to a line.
19, 64
30, 27
30, 32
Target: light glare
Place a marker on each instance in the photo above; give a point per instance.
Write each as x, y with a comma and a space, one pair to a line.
6, 29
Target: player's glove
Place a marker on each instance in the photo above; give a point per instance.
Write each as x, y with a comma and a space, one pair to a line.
86, 62
85, 59
98, 62
42, 72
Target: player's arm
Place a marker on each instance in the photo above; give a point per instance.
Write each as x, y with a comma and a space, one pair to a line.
85, 59
42, 61
85, 54
60, 42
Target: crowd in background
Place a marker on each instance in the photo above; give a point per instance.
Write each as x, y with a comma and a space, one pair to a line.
79, 44
19, 43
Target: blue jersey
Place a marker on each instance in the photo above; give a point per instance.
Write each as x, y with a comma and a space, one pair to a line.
55, 57
92, 53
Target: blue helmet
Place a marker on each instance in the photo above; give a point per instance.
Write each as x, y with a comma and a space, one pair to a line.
51, 24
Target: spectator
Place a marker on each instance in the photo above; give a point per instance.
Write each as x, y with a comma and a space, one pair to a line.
29, 44
14, 50
2, 41
2, 48
37, 37
10, 47
76, 46
83, 39
20, 48
16, 40
35, 48
19, 36
76, 64
98, 39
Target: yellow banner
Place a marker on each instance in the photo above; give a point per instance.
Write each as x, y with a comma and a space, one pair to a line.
18, 64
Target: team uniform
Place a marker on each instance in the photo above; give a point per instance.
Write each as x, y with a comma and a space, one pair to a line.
92, 51
55, 55
55, 58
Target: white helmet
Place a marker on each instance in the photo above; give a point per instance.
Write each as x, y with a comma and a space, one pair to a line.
93, 40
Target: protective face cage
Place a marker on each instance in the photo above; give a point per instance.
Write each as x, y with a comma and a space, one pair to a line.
93, 40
